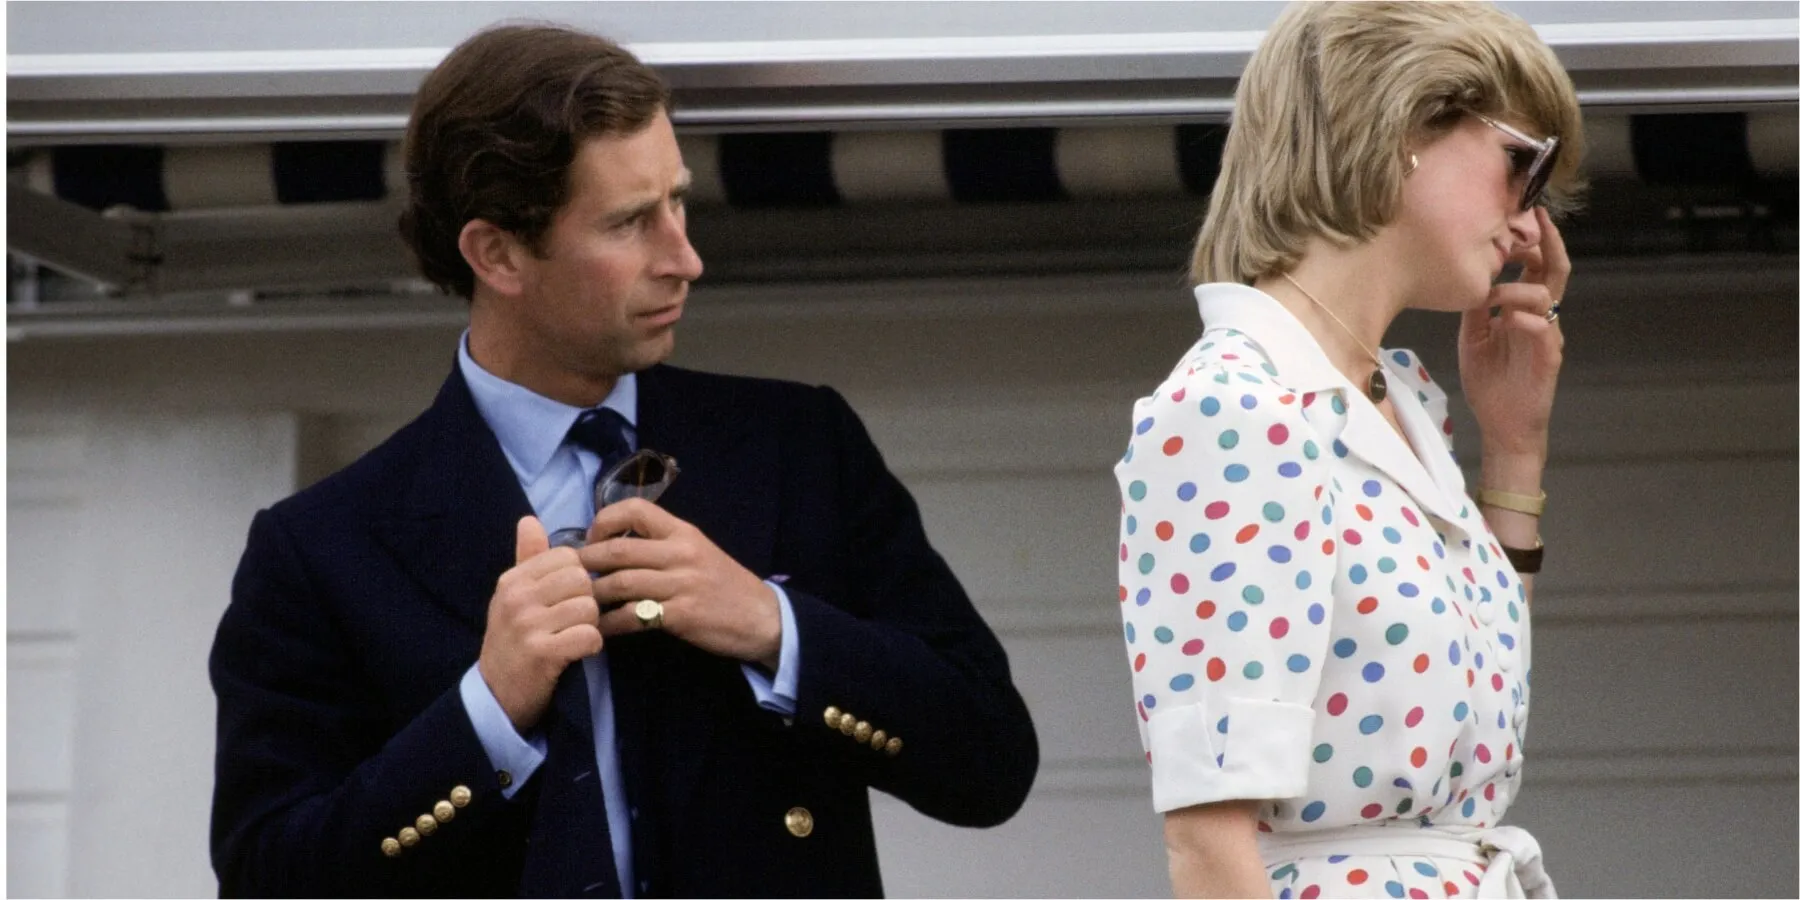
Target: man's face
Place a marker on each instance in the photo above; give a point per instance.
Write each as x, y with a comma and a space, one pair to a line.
612, 280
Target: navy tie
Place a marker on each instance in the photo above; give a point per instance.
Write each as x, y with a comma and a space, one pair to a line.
603, 432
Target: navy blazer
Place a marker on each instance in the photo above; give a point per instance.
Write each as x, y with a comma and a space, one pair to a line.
360, 602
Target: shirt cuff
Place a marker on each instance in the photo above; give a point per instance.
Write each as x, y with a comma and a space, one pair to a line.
782, 694
506, 750
1262, 753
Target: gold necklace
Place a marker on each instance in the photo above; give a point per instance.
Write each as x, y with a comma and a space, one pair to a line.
1376, 387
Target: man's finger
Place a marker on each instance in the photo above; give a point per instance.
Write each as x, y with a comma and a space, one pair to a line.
633, 585
637, 516
630, 553
531, 539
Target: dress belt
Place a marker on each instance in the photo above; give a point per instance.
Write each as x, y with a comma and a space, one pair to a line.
1515, 863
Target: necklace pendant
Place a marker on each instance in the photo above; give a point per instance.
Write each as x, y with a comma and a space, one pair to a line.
1377, 386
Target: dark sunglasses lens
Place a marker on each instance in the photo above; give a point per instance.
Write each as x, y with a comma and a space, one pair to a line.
1540, 179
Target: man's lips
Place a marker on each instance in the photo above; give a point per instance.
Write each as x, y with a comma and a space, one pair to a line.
667, 315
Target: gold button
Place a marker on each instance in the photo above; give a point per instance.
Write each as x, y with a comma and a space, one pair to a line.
426, 824
862, 732
444, 811
505, 778
832, 715
390, 847
799, 822
460, 796
878, 740
893, 746
847, 725
409, 836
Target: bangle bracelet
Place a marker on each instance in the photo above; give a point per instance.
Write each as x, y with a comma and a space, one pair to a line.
1521, 503
1525, 562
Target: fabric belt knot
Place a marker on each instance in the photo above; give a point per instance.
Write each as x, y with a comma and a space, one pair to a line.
1514, 861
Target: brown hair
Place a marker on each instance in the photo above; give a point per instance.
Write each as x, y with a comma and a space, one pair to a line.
1333, 99
495, 127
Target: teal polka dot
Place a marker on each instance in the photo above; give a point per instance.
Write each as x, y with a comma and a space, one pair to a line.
1199, 542
1322, 753
1138, 489
1337, 404
1228, 438
1253, 670
1310, 449
1313, 811
1236, 472
1386, 564
1363, 776
1273, 512
1164, 635
1146, 563
1253, 595
1130, 525
1303, 580
1396, 633
1404, 806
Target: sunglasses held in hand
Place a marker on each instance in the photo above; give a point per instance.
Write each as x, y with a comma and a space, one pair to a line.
645, 474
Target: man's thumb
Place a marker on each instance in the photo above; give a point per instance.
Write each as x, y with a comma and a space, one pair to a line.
532, 539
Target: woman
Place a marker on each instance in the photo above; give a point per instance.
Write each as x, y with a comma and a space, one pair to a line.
1329, 636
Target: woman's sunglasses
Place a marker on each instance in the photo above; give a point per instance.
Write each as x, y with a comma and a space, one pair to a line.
1532, 167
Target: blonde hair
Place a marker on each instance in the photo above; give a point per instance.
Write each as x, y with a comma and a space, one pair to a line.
1333, 100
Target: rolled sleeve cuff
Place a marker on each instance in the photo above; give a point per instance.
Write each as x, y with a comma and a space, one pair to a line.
781, 694
506, 750
1262, 756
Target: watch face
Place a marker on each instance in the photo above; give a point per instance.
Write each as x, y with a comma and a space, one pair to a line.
645, 474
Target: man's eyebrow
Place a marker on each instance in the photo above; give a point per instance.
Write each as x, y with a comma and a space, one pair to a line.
626, 214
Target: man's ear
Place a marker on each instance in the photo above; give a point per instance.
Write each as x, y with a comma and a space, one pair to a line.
496, 256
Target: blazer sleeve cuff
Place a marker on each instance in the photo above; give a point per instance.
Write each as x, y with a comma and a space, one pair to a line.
1261, 755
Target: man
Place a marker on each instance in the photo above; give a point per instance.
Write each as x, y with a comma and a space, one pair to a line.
419, 696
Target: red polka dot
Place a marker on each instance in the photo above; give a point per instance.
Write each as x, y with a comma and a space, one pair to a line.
1352, 536
1179, 583
1471, 678
1137, 665
1450, 889
1285, 399
1424, 564
1206, 609
1489, 793
1172, 446
1302, 530
1509, 751
1121, 593
1483, 753
1411, 519
1418, 757
1218, 509
1328, 547
1367, 514
1278, 434
1421, 663
1414, 716
1165, 530
1468, 574
1124, 553
1474, 878
1178, 395
1278, 628
1307, 399
1423, 375
1215, 669
1498, 682
1446, 426
1356, 876
1193, 647
1248, 533
1228, 356
1142, 714
1417, 894
1337, 704
1367, 605
1372, 811
1312, 891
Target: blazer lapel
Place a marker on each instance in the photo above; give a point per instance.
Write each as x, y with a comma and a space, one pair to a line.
453, 526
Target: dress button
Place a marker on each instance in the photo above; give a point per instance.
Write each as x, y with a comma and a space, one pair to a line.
799, 821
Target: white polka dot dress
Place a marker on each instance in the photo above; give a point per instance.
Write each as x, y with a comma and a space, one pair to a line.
1316, 615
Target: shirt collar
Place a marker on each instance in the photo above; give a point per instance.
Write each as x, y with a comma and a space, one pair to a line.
529, 425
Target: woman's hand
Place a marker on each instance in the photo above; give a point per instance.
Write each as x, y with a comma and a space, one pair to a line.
1510, 361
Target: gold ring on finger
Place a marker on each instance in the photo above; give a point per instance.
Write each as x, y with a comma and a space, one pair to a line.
649, 614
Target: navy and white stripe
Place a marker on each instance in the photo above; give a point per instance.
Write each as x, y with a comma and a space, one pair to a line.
820, 169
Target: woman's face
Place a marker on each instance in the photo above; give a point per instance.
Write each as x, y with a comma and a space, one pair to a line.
1460, 221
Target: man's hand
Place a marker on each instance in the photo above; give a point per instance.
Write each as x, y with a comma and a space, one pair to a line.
709, 600
543, 616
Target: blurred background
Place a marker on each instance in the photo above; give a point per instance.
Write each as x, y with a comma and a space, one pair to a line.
973, 219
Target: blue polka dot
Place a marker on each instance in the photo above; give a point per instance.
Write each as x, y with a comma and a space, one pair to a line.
1392, 534
1506, 640
1288, 470
1405, 359
1369, 724
1408, 589
1303, 580
1437, 605
1338, 448
1373, 672
1325, 515
1236, 472
1130, 525
1461, 712
1225, 725
1144, 426
1315, 613
1237, 620
1149, 701
1501, 576
1313, 811
1130, 633
1298, 663
1209, 406
1334, 860
1371, 488
1199, 542
1426, 869
1143, 596
1223, 571
1181, 682
1358, 574
1468, 808
1186, 491
1137, 490
1344, 648
1455, 654
1337, 404
1395, 889
1129, 448
1280, 554
1164, 635
1248, 401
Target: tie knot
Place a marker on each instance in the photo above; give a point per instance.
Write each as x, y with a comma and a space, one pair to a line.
603, 432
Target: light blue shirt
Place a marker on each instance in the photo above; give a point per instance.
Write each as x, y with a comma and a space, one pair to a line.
558, 479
